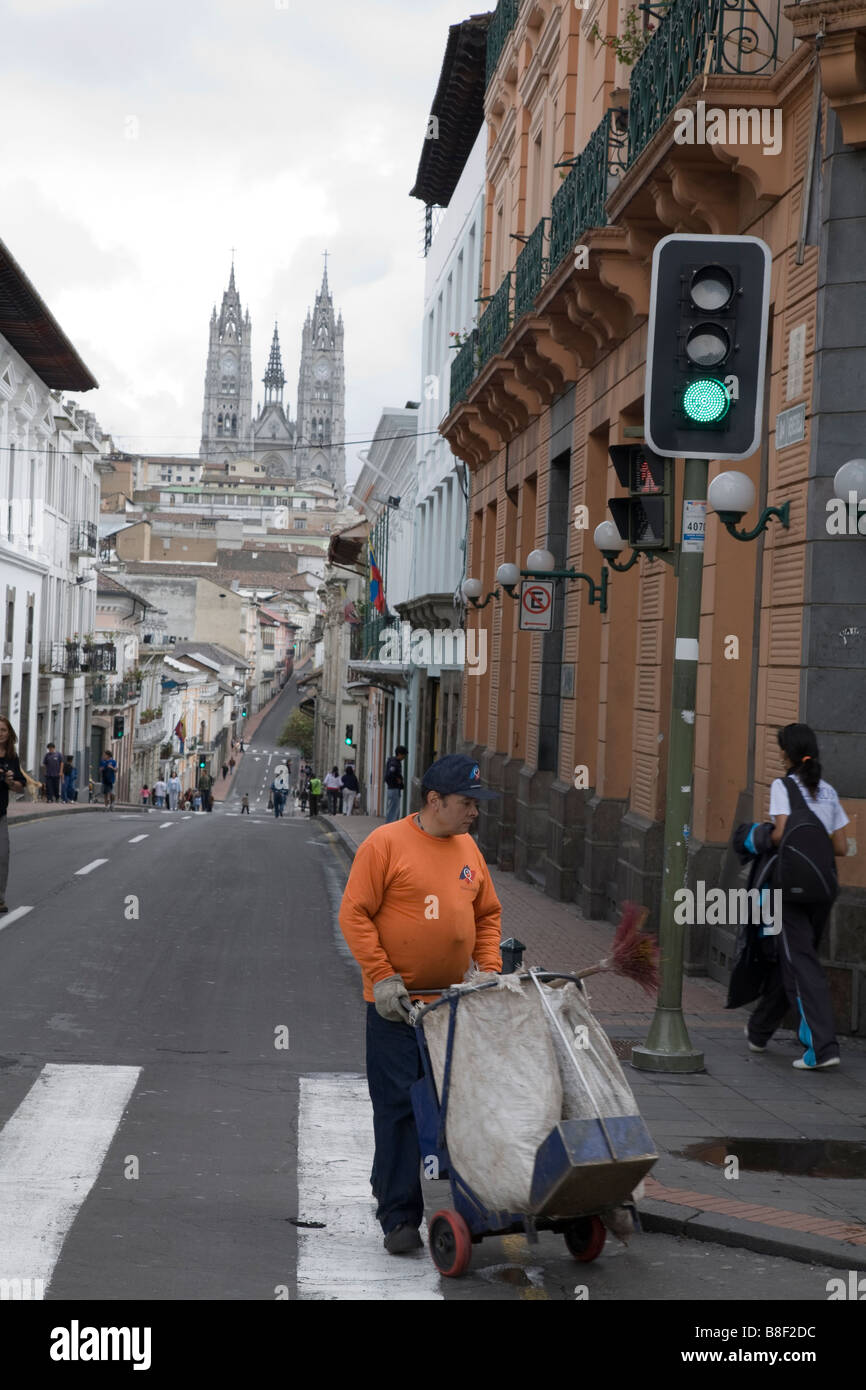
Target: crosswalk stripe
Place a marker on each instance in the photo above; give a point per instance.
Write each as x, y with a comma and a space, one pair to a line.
135, 839
345, 1259
94, 864
51, 1151
13, 916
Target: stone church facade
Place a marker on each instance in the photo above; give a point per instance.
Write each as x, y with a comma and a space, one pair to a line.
313, 445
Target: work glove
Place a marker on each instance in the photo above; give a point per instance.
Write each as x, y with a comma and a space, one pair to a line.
392, 999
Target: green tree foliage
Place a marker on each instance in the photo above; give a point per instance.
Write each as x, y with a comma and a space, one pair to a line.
298, 733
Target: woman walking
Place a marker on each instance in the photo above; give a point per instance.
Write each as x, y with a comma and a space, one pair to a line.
801, 982
11, 777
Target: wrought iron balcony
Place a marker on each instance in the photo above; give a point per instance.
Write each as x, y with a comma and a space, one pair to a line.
530, 270
101, 657
114, 694
464, 367
501, 25
695, 37
495, 322
57, 658
579, 203
82, 538
366, 643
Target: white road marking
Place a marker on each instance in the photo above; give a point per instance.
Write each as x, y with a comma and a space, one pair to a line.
135, 839
94, 864
189, 817
166, 824
346, 1258
51, 1152
13, 916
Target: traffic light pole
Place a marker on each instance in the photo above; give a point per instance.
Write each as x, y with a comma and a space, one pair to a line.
668, 1047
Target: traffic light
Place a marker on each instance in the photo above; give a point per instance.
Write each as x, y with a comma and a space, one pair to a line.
349, 740
707, 346
644, 518
118, 726
244, 712
202, 762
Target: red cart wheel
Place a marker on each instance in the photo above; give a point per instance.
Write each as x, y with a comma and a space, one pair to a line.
585, 1238
450, 1243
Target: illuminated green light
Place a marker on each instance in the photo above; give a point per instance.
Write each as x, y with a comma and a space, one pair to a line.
706, 401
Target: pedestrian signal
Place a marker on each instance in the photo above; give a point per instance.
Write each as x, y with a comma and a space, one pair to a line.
644, 518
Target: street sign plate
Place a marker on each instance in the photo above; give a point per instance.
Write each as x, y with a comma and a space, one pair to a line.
536, 605
791, 426
694, 525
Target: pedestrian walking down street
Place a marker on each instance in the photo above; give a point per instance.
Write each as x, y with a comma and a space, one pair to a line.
159, 793
225, 771
402, 948
315, 793
303, 789
394, 783
69, 790
52, 765
11, 777
196, 801
231, 764
799, 980
351, 788
334, 787
245, 804
108, 772
174, 790
205, 783
145, 795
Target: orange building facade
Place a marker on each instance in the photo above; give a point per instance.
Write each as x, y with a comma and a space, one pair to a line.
583, 153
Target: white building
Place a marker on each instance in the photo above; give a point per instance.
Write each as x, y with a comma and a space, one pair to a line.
50, 457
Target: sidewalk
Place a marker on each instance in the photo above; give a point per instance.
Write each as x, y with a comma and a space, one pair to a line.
22, 811
742, 1096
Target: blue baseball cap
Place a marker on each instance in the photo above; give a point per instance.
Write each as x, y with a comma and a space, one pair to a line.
455, 775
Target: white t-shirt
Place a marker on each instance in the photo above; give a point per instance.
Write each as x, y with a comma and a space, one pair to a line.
825, 803
160, 788
332, 782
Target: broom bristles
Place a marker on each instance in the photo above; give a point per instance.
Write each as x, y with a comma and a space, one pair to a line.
635, 954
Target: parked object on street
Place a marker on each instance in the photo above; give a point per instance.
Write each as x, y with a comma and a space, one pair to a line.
528, 1114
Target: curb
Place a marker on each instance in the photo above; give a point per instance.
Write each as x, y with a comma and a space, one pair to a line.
29, 816
691, 1223
346, 841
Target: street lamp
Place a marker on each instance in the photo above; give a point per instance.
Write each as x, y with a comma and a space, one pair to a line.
541, 564
607, 539
732, 494
849, 485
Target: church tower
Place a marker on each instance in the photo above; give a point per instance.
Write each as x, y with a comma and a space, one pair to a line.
228, 383
321, 421
273, 432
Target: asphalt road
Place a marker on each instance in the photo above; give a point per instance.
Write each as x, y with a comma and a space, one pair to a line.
198, 974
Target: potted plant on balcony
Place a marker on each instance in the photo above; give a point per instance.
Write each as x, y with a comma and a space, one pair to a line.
630, 44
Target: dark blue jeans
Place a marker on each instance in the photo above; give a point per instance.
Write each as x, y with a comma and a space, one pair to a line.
393, 1064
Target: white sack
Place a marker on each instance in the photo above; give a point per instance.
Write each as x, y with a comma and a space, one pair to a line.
505, 1093
589, 1053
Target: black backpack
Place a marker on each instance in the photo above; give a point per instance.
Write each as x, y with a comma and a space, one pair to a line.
806, 866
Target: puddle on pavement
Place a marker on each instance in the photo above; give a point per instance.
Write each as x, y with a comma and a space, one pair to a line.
802, 1158
519, 1275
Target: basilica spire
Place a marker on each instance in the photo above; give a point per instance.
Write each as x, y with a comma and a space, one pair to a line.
274, 379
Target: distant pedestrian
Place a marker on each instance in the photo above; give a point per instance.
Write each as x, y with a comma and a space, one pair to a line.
231, 764
303, 791
315, 793
196, 801
225, 771
11, 777
334, 788
351, 788
69, 790
173, 791
108, 772
245, 804
52, 764
799, 980
159, 793
394, 783
145, 795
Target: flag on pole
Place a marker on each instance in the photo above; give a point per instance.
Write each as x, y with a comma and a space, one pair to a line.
377, 588
180, 732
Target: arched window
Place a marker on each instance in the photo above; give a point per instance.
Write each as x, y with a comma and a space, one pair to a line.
220, 423
234, 424
327, 431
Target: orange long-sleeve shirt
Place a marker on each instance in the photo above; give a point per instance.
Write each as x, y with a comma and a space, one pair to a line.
419, 906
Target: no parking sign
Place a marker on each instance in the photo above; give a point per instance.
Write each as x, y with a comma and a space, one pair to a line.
536, 605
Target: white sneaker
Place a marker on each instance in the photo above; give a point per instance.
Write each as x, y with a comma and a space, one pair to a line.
753, 1047
802, 1065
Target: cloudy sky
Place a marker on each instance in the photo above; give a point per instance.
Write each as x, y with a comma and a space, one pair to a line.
142, 141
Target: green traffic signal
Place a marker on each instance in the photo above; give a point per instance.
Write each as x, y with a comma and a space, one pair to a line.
706, 401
